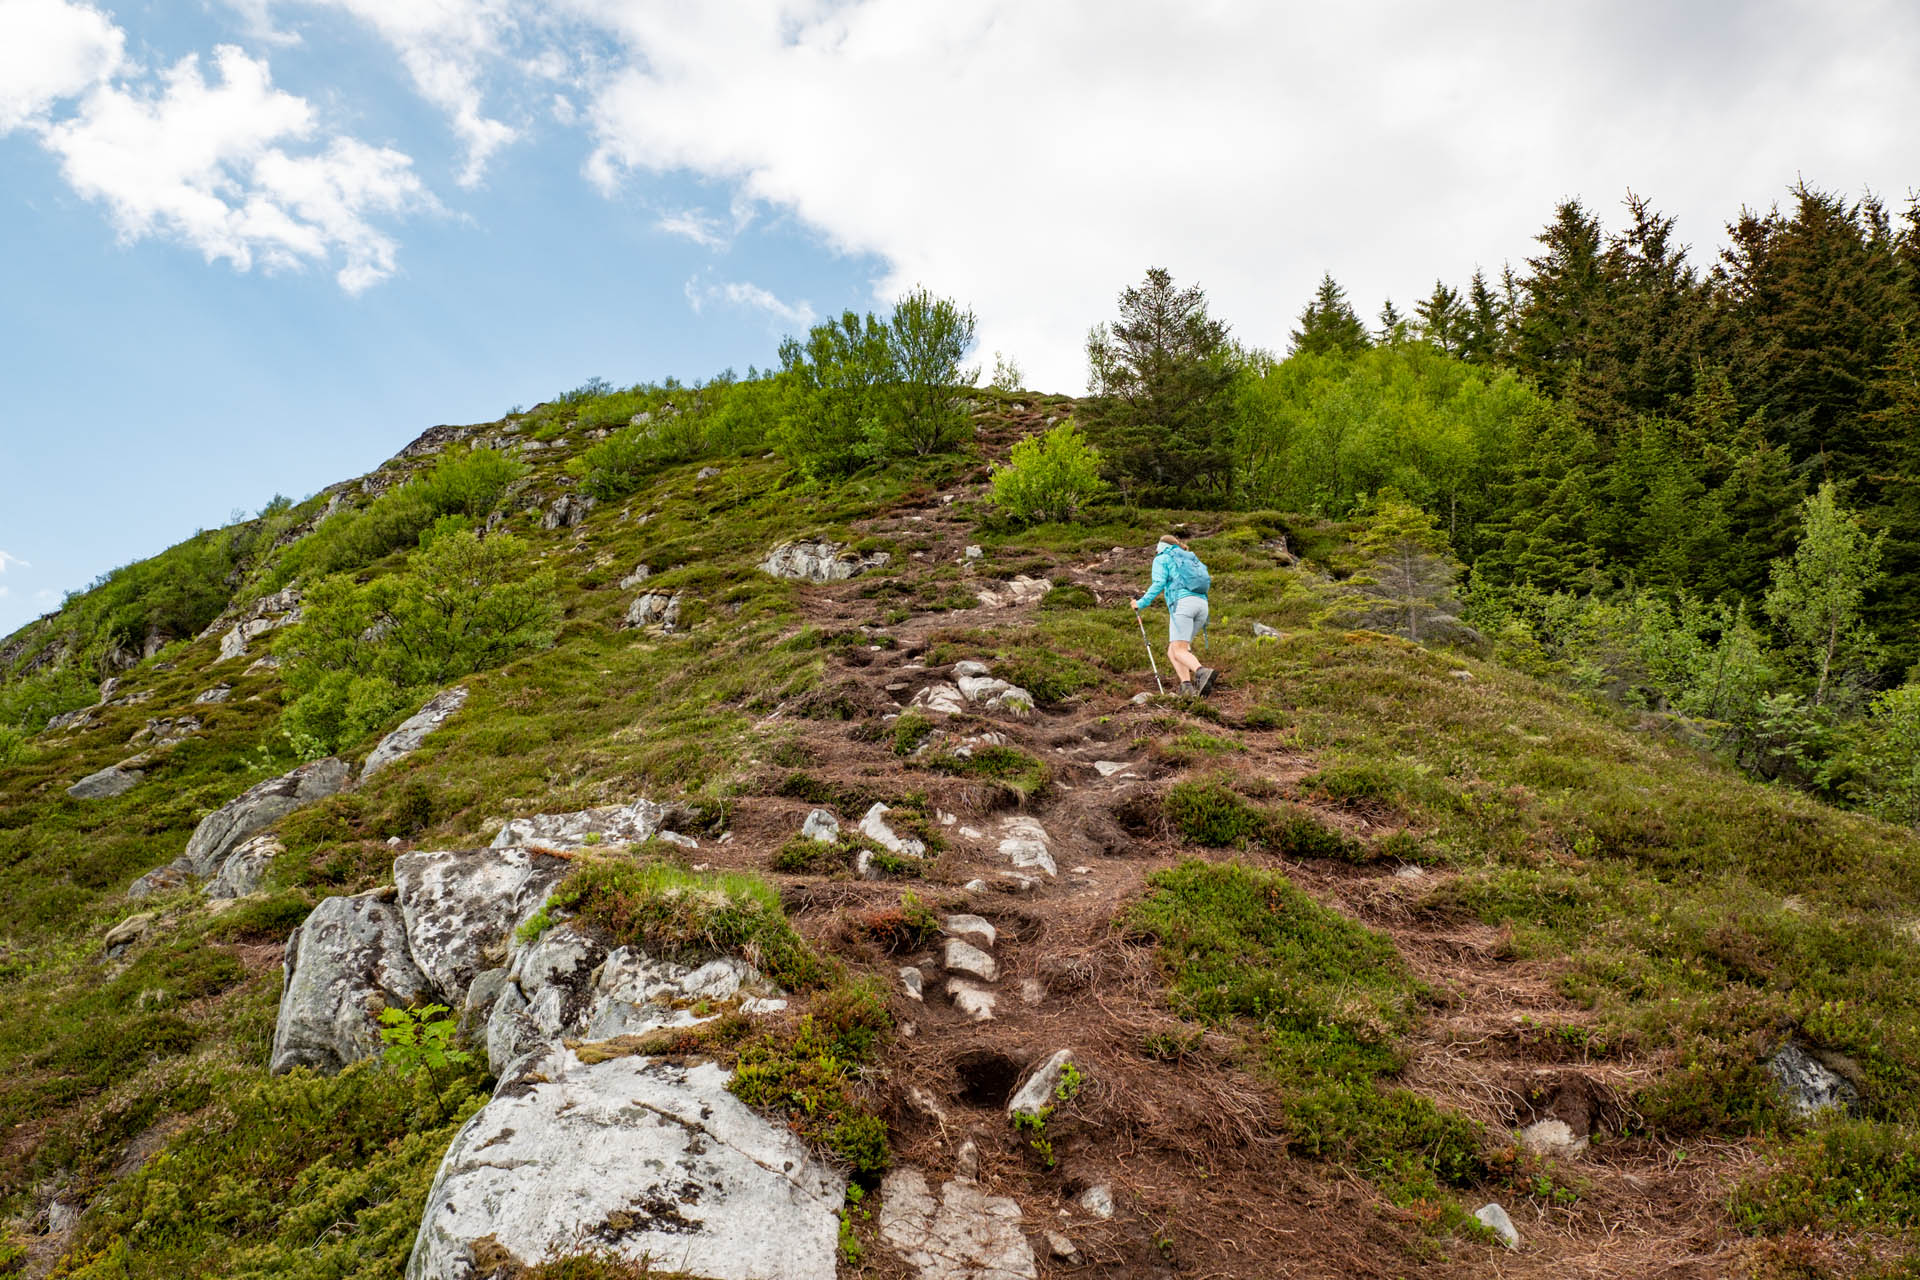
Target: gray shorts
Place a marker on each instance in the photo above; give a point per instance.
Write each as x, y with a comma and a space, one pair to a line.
1187, 619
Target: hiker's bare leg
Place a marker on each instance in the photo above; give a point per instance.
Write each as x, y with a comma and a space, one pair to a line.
1180, 654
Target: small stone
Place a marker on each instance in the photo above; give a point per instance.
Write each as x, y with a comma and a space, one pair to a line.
706, 473
1809, 1085
1552, 1137
1032, 991
971, 669
1463, 675
976, 886
654, 609
946, 819
874, 827
1082, 871
914, 982
822, 826
943, 698
1141, 699
973, 552
1109, 768
1408, 872
976, 1002
1098, 1200
972, 833
639, 575
1495, 1219
1265, 632
970, 926
1014, 882
1036, 1093
966, 1161
219, 693
1024, 842
1062, 1247
129, 931
963, 957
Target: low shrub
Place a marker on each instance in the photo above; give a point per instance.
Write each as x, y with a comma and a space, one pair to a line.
1023, 774
1051, 477
688, 916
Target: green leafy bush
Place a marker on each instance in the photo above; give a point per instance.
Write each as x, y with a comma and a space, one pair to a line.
363, 653
1861, 1173
1049, 478
467, 483
420, 1040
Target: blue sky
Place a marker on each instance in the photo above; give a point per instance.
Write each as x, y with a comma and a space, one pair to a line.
342, 221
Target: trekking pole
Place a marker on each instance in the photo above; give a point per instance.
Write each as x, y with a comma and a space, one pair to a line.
1150, 659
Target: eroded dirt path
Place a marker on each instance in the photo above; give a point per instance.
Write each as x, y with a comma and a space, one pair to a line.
1191, 1145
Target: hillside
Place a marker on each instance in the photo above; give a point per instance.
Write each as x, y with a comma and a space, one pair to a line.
1374, 936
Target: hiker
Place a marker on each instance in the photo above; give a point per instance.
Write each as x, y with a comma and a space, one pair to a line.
1183, 580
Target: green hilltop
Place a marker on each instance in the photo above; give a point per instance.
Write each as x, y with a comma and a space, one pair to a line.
1500, 869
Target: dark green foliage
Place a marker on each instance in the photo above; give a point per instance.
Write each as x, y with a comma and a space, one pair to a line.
690, 916
1049, 675
1209, 813
1012, 768
299, 1176
909, 731
362, 654
808, 1074
1325, 998
1855, 1173
1328, 325
1160, 376
462, 483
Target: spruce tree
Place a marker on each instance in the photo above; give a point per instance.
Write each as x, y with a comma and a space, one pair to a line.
1161, 376
1393, 326
1484, 330
1440, 319
1328, 325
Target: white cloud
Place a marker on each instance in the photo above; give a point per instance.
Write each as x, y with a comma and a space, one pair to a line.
49, 50
740, 293
7, 558
445, 46
204, 163
1032, 159
696, 225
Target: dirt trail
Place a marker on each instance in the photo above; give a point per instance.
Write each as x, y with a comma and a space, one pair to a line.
1193, 1149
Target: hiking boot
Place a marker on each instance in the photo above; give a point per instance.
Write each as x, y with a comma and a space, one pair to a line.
1203, 680
1187, 690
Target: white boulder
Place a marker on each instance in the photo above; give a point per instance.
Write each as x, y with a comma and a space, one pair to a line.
649, 1161
346, 962
819, 561
406, 739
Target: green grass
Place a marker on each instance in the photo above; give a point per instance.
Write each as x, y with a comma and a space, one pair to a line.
685, 915
1325, 1000
808, 1074
301, 1176
1012, 768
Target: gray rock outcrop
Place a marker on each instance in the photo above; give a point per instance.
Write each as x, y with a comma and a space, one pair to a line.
259, 807
821, 826
413, 731
1025, 843
460, 908
346, 962
1021, 590
607, 824
649, 1161
1809, 1085
243, 869
114, 780
268, 613
964, 1234
654, 609
819, 562
566, 511
995, 694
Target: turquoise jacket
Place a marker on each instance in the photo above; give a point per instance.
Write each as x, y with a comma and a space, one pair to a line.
1163, 583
